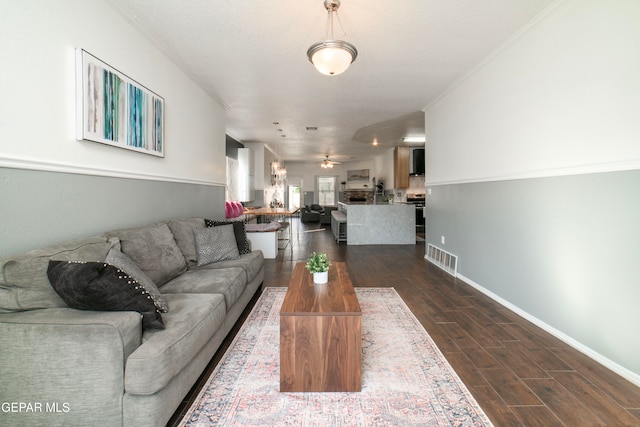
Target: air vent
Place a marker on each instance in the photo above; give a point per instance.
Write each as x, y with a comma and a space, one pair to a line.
312, 127
443, 259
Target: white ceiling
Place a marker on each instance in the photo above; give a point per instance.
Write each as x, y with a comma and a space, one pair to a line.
251, 55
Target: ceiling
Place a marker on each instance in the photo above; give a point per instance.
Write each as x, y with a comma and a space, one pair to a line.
251, 56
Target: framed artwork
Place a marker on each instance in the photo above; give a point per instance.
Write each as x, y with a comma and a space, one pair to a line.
116, 110
358, 175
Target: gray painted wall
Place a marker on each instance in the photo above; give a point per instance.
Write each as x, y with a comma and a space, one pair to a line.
563, 249
39, 208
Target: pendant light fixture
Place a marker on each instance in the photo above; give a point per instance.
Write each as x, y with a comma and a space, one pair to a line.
332, 57
278, 171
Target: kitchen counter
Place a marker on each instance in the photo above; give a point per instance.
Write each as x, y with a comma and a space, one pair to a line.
385, 224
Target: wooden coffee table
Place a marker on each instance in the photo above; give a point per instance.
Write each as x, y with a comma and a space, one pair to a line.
320, 333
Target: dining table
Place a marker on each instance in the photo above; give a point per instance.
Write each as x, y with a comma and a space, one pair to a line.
274, 213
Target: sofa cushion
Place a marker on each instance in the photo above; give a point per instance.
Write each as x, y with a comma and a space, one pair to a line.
239, 230
99, 286
229, 282
215, 244
48, 327
182, 230
307, 215
23, 278
154, 250
192, 321
251, 263
126, 264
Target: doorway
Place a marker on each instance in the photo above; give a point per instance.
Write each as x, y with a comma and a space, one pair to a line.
294, 197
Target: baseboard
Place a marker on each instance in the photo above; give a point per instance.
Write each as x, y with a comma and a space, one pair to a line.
620, 370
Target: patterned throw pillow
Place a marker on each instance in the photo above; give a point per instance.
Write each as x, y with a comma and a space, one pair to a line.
215, 244
244, 247
102, 287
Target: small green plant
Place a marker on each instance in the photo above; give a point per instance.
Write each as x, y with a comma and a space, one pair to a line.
318, 262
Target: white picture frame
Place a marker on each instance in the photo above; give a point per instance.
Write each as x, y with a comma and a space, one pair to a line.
116, 110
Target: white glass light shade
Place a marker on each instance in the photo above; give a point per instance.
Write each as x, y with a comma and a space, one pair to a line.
332, 57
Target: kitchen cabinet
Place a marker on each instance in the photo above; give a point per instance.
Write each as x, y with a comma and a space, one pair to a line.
401, 167
246, 179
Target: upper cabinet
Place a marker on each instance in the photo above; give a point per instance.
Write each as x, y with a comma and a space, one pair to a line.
246, 179
416, 162
401, 167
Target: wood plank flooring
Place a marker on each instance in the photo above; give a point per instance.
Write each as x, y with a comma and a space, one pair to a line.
518, 373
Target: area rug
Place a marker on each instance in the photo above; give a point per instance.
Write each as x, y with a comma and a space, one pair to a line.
406, 381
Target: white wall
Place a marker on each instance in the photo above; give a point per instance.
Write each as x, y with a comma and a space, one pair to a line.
37, 93
562, 98
384, 167
55, 188
380, 167
533, 164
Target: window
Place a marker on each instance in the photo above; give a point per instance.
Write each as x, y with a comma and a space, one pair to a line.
326, 190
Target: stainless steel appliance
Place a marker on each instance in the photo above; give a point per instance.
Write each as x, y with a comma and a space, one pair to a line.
419, 202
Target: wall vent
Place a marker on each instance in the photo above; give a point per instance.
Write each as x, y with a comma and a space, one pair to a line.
443, 259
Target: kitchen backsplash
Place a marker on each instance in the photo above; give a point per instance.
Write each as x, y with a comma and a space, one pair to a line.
416, 186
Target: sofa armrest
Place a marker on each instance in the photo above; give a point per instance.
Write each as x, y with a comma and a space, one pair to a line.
67, 364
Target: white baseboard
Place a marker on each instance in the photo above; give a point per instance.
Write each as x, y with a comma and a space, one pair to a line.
620, 370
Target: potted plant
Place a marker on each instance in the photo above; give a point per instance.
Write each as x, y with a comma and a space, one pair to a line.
318, 264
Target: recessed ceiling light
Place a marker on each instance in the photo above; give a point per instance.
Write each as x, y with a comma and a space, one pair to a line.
414, 139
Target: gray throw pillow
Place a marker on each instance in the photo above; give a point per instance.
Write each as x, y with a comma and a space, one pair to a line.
215, 244
244, 247
126, 264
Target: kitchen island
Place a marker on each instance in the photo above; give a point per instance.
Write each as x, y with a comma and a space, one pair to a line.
383, 224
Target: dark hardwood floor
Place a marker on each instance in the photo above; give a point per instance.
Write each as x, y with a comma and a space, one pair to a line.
519, 374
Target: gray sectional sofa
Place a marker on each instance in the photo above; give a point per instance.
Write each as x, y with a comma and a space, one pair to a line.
79, 367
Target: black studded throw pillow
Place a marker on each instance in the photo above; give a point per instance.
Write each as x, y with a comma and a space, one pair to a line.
126, 264
238, 230
102, 287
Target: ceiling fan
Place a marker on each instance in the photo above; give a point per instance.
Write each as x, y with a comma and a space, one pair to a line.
326, 163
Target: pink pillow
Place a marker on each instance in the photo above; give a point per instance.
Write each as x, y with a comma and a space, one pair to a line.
228, 209
239, 208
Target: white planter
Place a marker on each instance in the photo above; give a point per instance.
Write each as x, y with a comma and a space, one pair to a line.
321, 278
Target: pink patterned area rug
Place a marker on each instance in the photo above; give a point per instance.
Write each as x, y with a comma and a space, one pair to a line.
406, 381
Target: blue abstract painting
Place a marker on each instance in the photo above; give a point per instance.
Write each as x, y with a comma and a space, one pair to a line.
116, 110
